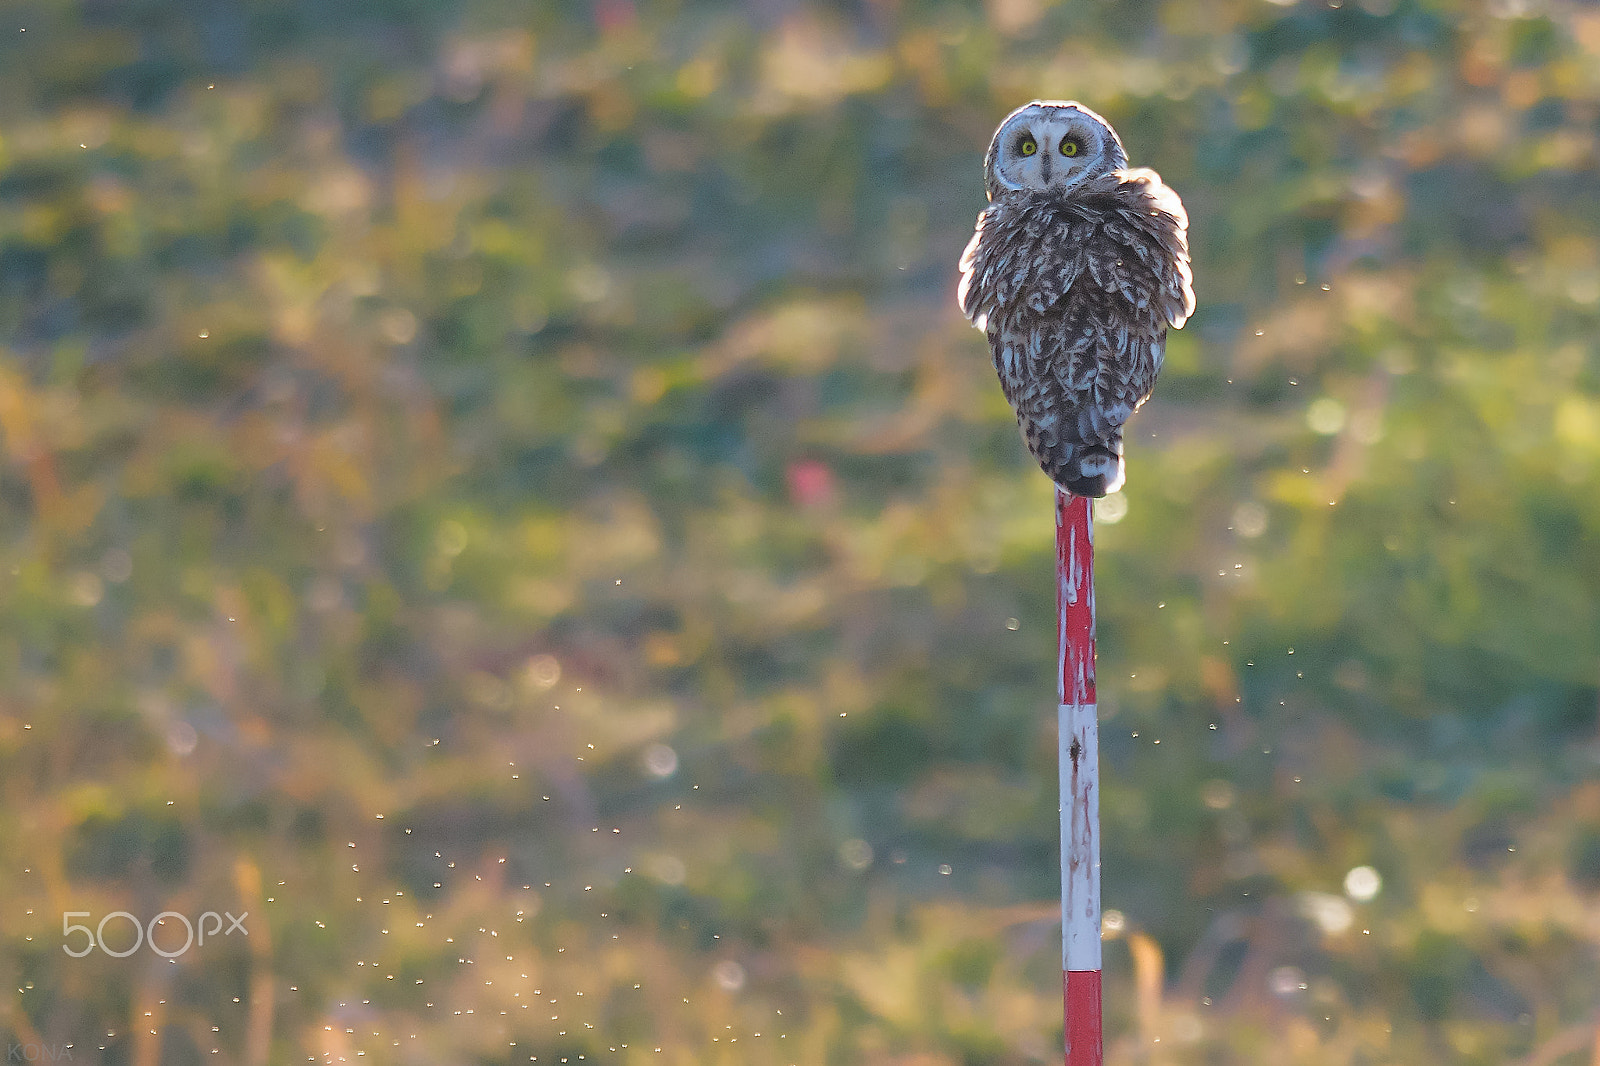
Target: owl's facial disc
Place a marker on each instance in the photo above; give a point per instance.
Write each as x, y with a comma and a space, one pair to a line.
1052, 147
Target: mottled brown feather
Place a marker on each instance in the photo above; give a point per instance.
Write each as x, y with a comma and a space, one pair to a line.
1076, 292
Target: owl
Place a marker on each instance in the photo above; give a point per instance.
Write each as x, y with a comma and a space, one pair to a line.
1078, 267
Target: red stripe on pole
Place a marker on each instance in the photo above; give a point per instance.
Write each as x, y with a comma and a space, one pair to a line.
1081, 996
1075, 598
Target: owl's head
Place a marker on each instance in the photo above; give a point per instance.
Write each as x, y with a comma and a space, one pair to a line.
1050, 146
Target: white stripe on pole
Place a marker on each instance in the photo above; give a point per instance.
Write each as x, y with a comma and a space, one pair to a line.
1080, 837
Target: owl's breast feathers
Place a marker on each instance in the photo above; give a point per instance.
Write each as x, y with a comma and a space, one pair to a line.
1124, 233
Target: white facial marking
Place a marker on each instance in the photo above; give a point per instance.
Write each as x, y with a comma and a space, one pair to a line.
1028, 151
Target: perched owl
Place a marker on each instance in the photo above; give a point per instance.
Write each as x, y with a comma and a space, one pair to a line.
1077, 268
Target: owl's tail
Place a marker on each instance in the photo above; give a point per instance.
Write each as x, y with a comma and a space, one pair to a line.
1084, 468
1091, 470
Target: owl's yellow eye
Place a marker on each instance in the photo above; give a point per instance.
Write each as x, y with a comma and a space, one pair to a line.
1069, 147
1029, 146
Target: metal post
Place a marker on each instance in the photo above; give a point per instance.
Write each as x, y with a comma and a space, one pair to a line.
1080, 782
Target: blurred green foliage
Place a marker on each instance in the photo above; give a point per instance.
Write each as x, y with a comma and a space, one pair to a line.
502, 494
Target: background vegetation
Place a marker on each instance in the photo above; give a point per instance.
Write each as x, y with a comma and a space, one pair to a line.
501, 494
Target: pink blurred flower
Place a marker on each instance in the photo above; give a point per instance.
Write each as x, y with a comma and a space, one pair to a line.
810, 482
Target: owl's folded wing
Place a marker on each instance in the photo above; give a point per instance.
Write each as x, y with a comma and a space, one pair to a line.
1088, 360
1146, 225
1023, 256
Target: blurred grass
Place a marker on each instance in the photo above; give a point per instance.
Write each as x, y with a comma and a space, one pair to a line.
504, 496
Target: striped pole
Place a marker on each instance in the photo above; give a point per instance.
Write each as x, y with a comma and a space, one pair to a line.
1079, 737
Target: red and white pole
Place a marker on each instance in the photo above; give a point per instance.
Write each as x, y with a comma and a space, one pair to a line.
1079, 737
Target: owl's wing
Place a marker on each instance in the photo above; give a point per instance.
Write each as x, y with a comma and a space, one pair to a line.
1022, 256
1143, 250
1074, 377
1087, 364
